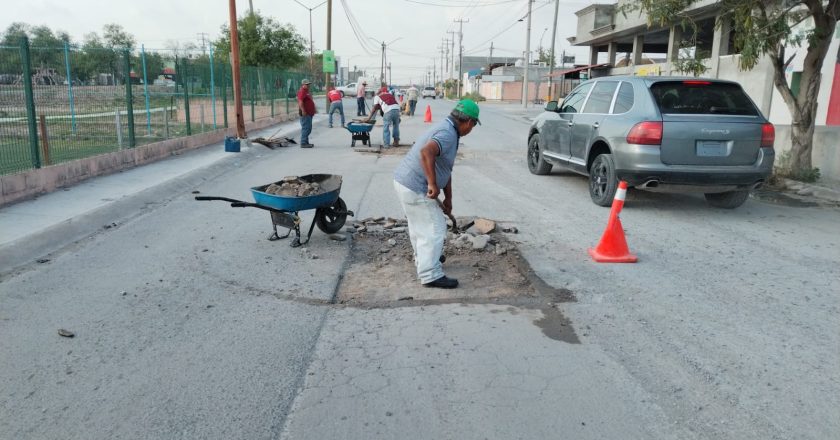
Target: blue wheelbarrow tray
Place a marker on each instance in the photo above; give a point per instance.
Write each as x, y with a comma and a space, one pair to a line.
331, 183
358, 127
359, 131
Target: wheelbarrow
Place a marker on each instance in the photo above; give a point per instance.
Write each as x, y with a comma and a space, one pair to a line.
359, 131
330, 210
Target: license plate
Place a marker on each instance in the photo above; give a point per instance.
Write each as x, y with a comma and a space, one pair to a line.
711, 148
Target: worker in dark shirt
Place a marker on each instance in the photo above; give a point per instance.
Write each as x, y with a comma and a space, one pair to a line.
306, 110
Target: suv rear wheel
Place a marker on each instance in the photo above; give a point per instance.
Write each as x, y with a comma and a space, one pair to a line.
602, 180
536, 164
727, 200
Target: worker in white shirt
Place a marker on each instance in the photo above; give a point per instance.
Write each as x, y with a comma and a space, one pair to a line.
385, 102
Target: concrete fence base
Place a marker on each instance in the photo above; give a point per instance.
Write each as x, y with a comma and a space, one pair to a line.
25, 185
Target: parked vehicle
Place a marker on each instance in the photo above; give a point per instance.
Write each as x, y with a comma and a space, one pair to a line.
429, 92
664, 134
350, 89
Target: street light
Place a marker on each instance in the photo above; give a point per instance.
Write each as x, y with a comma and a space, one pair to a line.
311, 50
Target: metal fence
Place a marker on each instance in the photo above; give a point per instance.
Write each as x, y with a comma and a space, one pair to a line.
61, 103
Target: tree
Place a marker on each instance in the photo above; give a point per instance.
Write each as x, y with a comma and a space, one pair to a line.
13, 33
263, 42
544, 56
47, 48
767, 27
116, 38
100, 55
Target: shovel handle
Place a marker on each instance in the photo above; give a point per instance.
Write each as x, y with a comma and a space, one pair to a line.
451, 217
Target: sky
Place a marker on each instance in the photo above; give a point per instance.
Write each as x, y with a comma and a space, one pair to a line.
416, 27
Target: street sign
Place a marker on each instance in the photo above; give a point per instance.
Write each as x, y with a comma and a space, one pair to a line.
329, 61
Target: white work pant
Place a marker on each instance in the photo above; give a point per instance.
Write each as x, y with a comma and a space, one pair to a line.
427, 230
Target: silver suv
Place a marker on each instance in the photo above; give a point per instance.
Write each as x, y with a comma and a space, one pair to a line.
664, 134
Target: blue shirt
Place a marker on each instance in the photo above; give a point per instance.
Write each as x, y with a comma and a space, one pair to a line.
410, 171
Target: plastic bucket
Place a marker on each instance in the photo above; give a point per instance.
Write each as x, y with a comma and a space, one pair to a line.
231, 144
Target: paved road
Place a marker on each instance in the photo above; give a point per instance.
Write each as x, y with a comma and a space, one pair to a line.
189, 324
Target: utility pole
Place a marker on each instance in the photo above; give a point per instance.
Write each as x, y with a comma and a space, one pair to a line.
390, 77
490, 58
440, 48
461, 22
329, 47
551, 57
452, 64
446, 48
251, 7
382, 65
234, 64
202, 36
434, 72
527, 53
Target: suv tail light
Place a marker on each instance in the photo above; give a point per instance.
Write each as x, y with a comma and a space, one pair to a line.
646, 133
768, 135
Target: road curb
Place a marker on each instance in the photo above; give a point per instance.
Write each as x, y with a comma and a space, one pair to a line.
812, 190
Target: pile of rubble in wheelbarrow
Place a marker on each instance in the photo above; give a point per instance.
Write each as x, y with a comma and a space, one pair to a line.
295, 187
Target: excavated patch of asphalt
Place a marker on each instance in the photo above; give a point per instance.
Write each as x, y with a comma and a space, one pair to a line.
381, 274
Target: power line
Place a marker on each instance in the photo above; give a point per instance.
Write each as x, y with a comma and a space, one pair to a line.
358, 32
473, 5
483, 43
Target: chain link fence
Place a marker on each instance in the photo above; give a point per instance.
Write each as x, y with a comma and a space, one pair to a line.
61, 103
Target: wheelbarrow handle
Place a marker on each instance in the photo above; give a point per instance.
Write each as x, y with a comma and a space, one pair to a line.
240, 204
224, 199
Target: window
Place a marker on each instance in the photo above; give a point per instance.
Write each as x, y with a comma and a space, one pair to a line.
699, 97
601, 97
624, 101
574, 101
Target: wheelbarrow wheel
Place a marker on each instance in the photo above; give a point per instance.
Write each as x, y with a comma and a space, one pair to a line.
331, 219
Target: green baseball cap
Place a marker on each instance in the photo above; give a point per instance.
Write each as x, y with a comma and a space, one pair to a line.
469, 108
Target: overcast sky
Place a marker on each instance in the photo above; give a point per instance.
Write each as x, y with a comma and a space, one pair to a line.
420, 25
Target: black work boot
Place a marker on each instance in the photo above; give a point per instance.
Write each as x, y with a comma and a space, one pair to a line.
443, 282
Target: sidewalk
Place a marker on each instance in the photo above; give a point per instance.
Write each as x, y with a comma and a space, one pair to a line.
67, 215
823, 190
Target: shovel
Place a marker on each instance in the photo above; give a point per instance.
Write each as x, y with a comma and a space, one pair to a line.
455, 228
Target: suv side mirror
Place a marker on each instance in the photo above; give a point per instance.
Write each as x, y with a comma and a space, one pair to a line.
551, 106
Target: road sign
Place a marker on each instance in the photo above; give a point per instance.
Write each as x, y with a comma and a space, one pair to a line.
329, 61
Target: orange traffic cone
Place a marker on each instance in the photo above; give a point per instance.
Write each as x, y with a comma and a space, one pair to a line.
613, 246
428, 117
401, 98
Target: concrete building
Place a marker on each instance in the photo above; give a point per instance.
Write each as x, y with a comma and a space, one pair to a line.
625, 45
504, 83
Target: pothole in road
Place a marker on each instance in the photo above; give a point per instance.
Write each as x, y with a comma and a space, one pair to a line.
381, 274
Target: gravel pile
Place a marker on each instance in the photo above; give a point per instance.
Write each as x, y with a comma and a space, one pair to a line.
292, 186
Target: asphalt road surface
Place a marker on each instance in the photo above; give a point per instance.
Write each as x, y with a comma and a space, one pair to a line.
190, 324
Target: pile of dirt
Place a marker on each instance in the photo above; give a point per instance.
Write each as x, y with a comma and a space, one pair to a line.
292, 186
